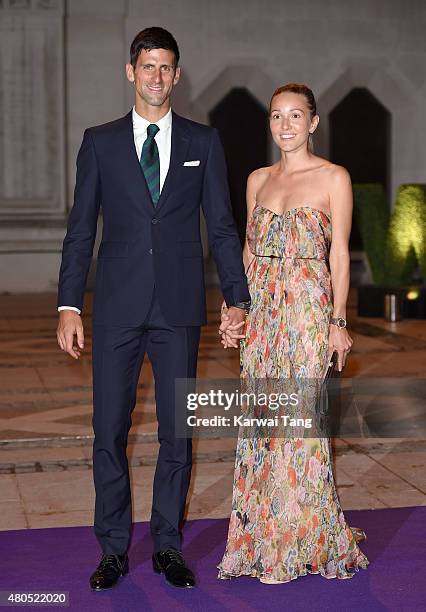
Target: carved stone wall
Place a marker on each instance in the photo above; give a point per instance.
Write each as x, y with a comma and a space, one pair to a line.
32, 114
32, 143
62, 70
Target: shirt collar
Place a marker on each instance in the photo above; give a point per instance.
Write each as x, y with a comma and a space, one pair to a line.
140, 123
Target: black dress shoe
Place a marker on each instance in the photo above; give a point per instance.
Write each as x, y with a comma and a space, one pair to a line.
171, 563
109, 571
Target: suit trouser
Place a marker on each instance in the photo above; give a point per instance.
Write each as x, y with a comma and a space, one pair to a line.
118, 354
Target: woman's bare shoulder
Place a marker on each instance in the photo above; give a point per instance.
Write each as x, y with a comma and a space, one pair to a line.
336, 173
258, 177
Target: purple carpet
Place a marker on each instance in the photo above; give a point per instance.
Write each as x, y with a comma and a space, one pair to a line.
62, 559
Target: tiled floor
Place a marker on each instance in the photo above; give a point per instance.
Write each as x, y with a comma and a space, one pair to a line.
46, 435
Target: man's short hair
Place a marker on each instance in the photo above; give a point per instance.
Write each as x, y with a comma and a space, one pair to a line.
153, 38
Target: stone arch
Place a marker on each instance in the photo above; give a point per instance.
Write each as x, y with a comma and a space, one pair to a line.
388, 89
360, 140
392, 93
259, 86
249, 77
242, 123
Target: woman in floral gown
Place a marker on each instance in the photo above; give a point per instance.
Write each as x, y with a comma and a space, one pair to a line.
286, 519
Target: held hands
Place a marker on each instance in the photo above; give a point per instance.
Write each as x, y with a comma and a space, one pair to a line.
339, 341
232, 324
70, 325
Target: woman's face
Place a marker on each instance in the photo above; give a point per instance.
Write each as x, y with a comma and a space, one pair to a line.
290, 121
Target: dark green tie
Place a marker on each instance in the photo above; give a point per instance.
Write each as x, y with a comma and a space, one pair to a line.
150, 162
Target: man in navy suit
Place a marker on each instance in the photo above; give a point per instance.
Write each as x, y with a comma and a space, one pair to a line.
150, 172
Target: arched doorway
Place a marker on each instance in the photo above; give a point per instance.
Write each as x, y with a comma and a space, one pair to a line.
360, 137
242, 125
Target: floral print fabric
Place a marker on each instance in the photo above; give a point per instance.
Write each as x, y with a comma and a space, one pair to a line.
286, 519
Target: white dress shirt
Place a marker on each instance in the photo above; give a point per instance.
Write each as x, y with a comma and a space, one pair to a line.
163, 138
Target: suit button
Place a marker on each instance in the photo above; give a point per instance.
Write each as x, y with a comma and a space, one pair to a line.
154, 221
150, 251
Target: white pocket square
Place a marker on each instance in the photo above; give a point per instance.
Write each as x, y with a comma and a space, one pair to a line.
195, 162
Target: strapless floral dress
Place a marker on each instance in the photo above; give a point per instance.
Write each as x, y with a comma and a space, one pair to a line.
286, 518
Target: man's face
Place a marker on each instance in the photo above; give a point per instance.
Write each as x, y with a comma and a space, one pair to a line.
154, 76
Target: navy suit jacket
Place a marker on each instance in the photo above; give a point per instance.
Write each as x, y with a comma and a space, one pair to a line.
145, 246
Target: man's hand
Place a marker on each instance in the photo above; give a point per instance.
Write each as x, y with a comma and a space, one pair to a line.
231, 327
70, 325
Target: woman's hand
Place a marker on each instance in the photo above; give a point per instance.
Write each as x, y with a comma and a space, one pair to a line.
231, 326
339, 341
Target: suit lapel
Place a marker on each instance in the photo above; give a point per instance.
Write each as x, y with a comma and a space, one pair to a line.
126, 153
180, 142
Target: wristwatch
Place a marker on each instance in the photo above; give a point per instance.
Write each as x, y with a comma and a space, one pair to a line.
243, 305
339, 322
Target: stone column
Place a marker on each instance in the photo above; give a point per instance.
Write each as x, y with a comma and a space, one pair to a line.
32, 144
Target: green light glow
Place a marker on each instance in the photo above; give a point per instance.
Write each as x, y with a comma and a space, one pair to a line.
407, 231
394, 243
